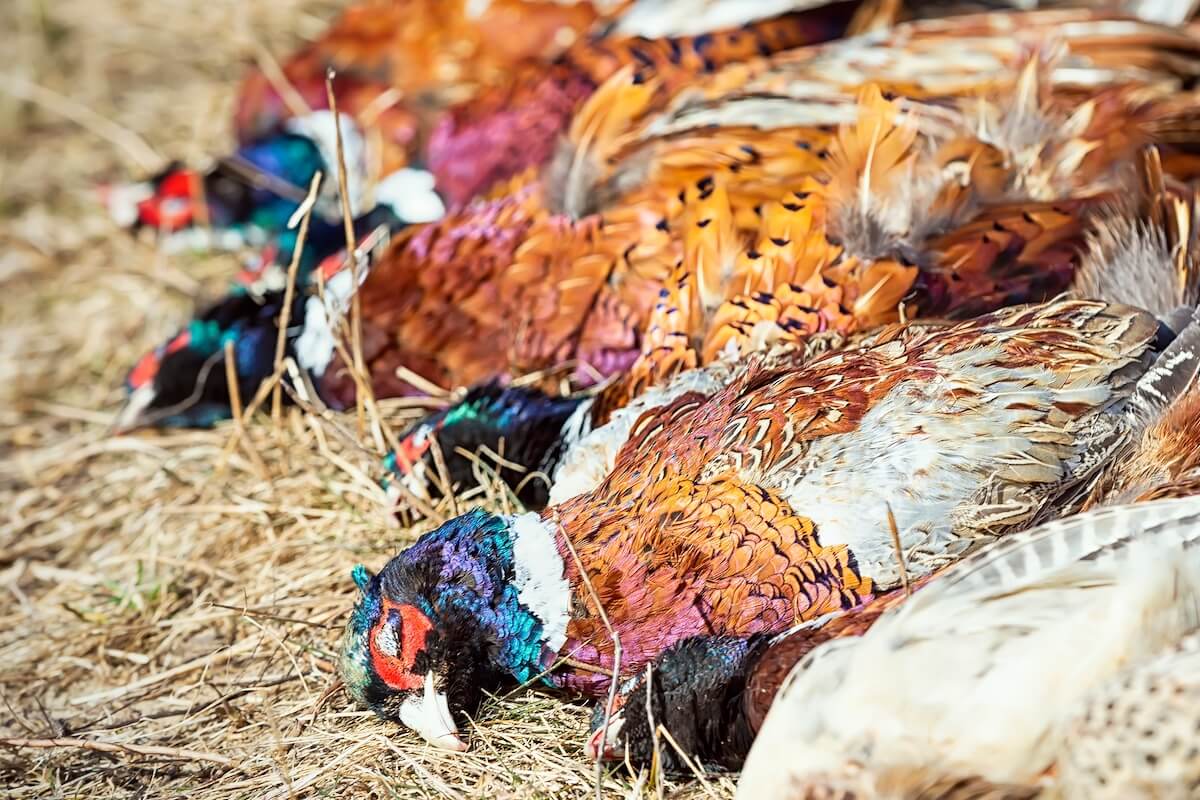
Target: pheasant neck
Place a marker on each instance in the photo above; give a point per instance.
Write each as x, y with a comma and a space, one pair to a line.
540, 576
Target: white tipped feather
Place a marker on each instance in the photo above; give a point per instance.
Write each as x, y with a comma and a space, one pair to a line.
657, 19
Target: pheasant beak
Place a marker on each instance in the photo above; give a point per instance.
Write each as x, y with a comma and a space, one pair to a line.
428, 714
123, 201
132, 414
603, 744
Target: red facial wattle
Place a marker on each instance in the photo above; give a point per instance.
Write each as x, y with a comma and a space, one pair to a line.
173, 204
397, 670
411, 452
147, 368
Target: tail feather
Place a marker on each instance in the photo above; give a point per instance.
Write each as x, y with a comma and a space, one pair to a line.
1172, 374
1025, 558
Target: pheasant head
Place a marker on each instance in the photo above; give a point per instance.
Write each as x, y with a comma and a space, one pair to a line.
521, 432
481, 600
184, 383
252, 192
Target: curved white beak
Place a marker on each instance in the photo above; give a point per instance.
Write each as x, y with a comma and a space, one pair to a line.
131, 415
428, 714
603, 743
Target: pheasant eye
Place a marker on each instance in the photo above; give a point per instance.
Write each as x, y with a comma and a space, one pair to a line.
385, 640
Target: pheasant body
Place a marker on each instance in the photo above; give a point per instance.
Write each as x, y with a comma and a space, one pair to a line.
987, 663
712, 693
1134, 736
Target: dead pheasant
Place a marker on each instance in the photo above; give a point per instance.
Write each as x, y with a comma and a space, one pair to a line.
982, 672
761, 506
933, 220
511, 283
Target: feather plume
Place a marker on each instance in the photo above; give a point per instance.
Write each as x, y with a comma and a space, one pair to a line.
580, 179
1144, 251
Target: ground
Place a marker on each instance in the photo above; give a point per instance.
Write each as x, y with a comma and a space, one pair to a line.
176, 599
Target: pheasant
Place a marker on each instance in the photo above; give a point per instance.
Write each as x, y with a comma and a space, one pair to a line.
751, 510
184, 383
507, 284
247, 198
712, 693
975, 676
246, 187
1133, 737
983, 263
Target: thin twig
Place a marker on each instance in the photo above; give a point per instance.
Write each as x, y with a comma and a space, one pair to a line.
691, 764
289, 294
254, 612
134, 146
616, 640
351, 248
899, 551
420, 383
279, 81
439, 461
239, 422
656, 746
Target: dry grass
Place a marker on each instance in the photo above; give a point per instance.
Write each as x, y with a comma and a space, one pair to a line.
168, 616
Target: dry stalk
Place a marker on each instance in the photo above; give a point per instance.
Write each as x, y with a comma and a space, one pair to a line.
614, 677
443, 475
655, 745
899, 551
279, 82
351, 248
259, 178
239, 422
695, 768
418, 382
289, 293
134, 146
